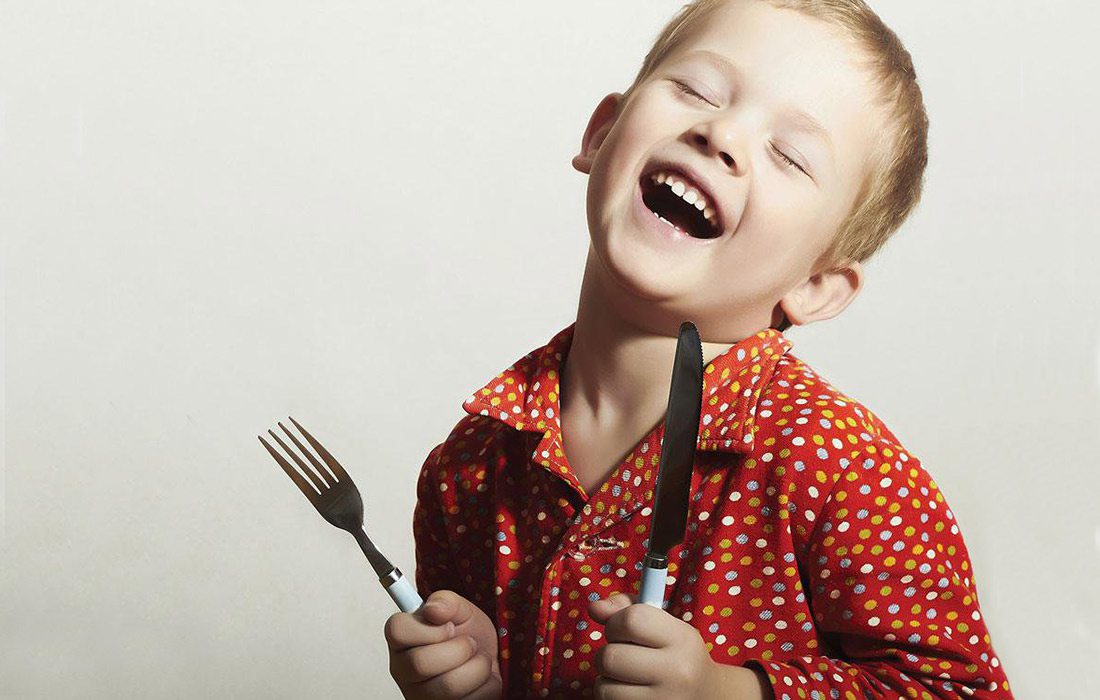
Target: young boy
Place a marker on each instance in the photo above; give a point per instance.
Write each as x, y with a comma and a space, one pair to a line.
765, 150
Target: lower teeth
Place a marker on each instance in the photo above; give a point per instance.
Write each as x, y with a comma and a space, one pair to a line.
668, 222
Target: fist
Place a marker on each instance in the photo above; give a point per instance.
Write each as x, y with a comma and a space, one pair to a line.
445, 649
649, 654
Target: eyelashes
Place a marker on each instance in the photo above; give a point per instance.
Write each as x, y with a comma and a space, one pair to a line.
788, 161
684, 89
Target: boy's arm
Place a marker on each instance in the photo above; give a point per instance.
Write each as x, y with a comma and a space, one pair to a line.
434, 564
891, 585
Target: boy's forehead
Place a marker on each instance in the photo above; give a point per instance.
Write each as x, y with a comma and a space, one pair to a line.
753, 31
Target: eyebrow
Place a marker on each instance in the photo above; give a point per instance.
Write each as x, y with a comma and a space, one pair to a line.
800, 120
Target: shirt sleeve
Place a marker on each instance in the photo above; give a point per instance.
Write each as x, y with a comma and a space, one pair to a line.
892, 589
434, 565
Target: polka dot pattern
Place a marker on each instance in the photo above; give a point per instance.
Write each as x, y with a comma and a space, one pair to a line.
817, 549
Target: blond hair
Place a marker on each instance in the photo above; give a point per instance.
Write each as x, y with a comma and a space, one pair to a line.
891, 186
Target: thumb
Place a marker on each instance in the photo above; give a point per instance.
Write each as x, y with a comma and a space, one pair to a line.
446, 606
603, 608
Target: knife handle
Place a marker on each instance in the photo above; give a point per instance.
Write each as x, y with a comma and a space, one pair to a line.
654, 570
401, 590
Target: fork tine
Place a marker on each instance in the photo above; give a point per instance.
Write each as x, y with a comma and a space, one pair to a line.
303, 485
320, 483
333, 465
329, 478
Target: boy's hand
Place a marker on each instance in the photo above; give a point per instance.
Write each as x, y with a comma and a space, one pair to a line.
649, 653
446, 649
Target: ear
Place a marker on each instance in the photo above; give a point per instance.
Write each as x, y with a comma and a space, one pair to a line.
823, 295
599, 124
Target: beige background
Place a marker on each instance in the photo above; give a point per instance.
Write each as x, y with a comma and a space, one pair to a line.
218, 214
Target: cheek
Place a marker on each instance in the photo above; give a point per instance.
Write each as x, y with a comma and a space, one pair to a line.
786, 221
759, 262
647, 124
623, 149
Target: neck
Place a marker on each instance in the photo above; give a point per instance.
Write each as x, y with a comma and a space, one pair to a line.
617, 372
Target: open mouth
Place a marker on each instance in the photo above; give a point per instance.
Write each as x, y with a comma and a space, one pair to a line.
665, 197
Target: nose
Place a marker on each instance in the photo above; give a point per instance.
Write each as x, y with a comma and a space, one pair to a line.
716, 138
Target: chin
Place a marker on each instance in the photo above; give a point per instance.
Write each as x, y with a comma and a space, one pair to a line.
639, 272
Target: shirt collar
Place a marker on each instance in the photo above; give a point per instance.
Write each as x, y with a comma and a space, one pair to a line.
526, 395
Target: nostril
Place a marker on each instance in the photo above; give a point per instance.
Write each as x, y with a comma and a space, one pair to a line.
701, 140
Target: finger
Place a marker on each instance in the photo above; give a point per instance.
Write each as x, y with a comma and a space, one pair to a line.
630, 663
418, 664
611, 689
641, 624
489, 690
445, 605
628, 598
404, 630
458, 681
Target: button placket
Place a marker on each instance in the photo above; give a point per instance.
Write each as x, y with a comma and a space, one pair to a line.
548, 613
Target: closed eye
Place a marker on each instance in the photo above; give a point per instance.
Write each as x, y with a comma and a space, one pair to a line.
789, 163
686, 90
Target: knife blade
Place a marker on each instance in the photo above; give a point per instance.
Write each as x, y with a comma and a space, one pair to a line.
670, 505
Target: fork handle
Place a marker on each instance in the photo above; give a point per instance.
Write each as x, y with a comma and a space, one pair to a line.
401, 590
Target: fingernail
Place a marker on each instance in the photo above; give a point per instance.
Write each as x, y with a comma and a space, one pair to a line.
450, 629
433, 604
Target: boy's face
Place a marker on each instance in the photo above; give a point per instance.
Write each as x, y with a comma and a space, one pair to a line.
775, 219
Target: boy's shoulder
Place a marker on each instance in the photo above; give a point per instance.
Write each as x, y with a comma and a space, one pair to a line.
519, 402
805, 420
812, 436
799, 401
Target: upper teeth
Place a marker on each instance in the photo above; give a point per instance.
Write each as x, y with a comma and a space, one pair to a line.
688, 194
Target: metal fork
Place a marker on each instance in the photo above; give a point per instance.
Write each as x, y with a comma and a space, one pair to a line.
338, 501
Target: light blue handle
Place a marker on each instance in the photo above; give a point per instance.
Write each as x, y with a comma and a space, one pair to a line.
653, 586
404, 594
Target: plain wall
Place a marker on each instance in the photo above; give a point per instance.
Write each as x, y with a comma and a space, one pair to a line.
216, 215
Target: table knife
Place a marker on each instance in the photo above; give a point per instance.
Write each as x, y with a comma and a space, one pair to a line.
671, 495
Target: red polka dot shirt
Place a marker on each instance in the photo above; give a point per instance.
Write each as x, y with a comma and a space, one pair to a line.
817, 549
